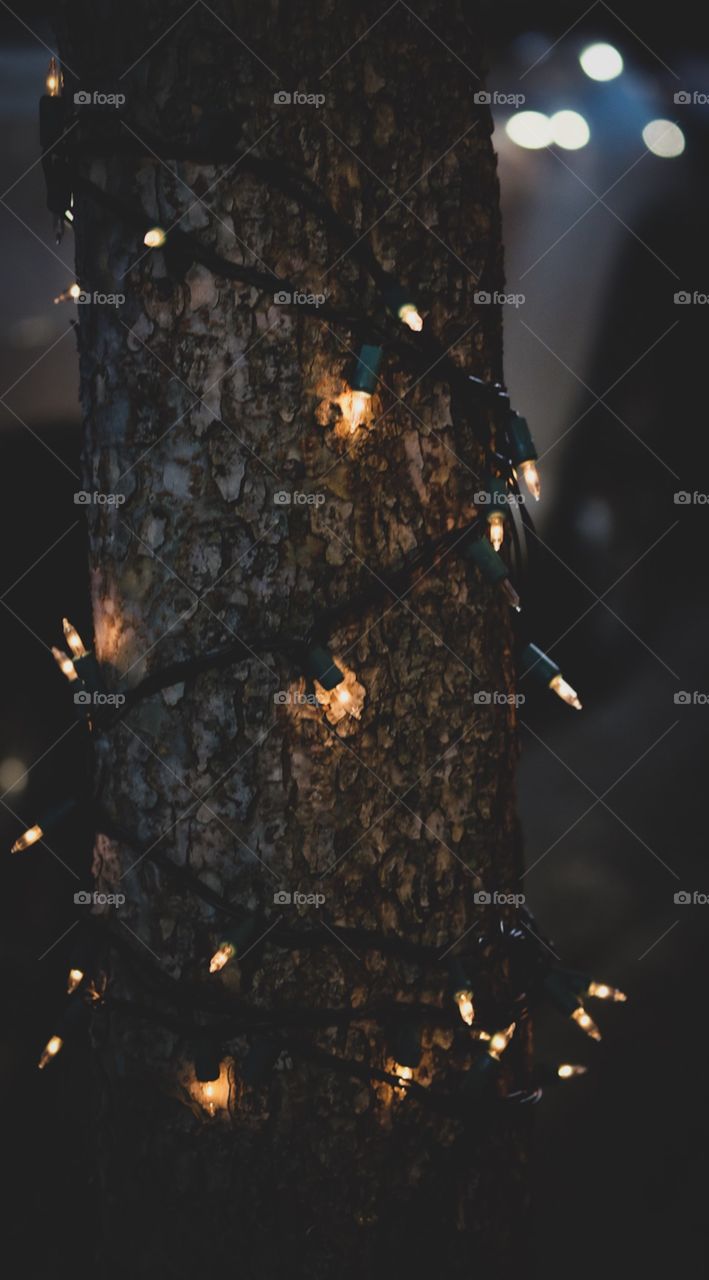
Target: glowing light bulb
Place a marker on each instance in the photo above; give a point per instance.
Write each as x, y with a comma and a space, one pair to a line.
565, 692
496, 529
73, 639
221, 957
70, 294
404, 1074
409, 315
75, 979
65, 664
568, 1070
209, 1097
51, 1049
529, 129
154, 238
343, 696
500, 1041
531, 478
601, 62
569, 130
359, 402
28, 837
601, 991
664, 139
464, 1001
54, 81
586, 1023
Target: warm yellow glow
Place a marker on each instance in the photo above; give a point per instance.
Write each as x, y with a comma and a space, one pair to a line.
500, 1041
359, 402
154, 238
212, 1095
405, 1074
343, 695
568, 1069
496, 526
586, 1023
76, 977
565, 692
28, 837
410, 316
73, 639
54, 81
531, 478
72, 293
221, 957
600, 991
65, 664
347, 698
51, 1049
464, 1001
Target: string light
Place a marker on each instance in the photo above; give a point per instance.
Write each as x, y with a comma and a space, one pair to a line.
545, 669
70, 294
75, 979
51, 818
232, 941
73, 639
401, 304
601, 991
51, 1049
601, 62
362, 384
347, 698
567, 1070
586, 1023
28, 837
524, 453
54, 82
491, 566
154, 238
224, 953
464, 1001
65, 664
500, 1040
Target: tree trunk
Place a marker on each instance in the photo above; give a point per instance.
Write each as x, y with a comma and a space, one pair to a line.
203, 399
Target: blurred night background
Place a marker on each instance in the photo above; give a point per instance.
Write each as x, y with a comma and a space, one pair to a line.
602, 361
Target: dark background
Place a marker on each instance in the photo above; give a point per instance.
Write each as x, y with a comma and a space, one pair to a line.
620, 1157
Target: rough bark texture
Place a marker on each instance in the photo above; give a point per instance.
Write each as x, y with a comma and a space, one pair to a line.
202, 399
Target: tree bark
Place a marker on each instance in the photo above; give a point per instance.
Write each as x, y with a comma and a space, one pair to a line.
203, 398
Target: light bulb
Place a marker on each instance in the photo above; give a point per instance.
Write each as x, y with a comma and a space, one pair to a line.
75, 979
209, 1099
600, 991
72, 293
601, 62
500, 1041
65, 664
154, 238
663, 138
359, 402
464, 1001
531, 478
586, 1023
73, 639
343, 695
409, 315
54, 81
568, 1070
28, 837
496, 529
565, 692
51, 1049
221, 957
404, 1074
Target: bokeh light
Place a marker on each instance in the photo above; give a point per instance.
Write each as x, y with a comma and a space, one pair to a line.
531, 129
569, 130
601, 62
663, 138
